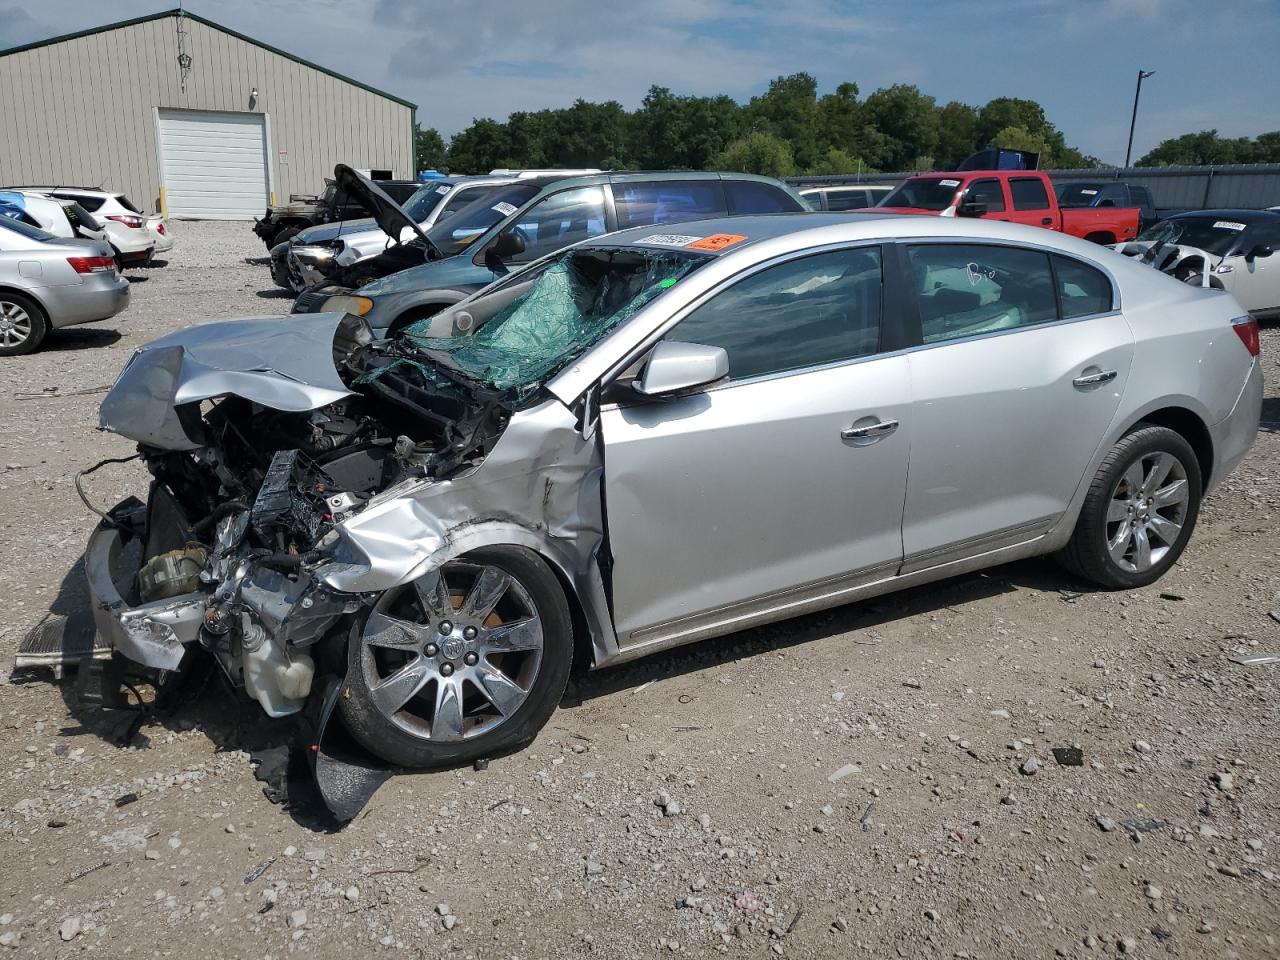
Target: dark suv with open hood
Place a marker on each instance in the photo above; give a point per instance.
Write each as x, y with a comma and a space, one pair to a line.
529, 220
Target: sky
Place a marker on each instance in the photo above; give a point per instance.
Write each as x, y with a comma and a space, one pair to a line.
1217, 64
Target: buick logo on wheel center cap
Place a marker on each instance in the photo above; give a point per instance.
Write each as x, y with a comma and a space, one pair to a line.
452, 647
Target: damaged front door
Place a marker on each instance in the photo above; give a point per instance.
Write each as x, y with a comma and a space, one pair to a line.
780, 490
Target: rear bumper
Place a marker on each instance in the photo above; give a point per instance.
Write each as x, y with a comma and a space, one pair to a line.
152, 634
137, 256
1234, 434
96, 297
163, 241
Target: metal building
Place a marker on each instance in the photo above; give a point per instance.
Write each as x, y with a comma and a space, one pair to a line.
189, 117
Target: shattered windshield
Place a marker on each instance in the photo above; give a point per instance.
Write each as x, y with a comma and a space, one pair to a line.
424, 200
455, 234
543, 318
927, 194
1216, 235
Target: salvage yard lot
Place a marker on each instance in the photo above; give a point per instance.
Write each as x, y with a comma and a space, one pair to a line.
873, 781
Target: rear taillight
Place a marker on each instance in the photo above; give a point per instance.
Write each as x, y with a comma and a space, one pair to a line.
135, 222
92, 264
160, 229
1246, 329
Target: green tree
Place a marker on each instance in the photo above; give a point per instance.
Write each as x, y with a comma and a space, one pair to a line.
837, 161
957, 133
760, 153
789, 110
908, 121
480, 148
1205, 147
671, 132
429, 151
1020, 138
1004, 112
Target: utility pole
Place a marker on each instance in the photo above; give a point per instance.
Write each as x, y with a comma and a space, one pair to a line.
1142, 75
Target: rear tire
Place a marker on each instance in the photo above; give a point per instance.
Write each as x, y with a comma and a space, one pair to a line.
1139, 511
467, 662
22, 324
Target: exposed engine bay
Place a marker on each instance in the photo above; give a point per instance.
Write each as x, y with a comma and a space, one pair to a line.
245, 499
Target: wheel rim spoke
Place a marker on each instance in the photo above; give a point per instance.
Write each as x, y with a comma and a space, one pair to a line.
1133, 479
399, 688
511, 637
1164, 462
1118, 546
1173, 494
1141, 548
433, 595
392, 633
489, 588
1164, 528
1118, 510
446, 723
499, 689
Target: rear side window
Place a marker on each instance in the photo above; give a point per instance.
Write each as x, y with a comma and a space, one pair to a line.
966, 290
92, 204
124, 202
986, 191
1082, 290
1028, 193
748, 196
802, 313
847, 199
670, 201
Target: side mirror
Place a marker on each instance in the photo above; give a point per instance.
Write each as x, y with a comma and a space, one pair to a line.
507, 245
972, 208
674, 368
1261, 250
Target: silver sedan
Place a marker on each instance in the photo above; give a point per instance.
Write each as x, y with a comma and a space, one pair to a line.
664, 435
47, 282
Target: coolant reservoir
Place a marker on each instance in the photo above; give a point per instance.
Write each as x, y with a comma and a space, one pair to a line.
278, 680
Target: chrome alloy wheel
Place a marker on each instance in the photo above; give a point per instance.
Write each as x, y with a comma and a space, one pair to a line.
453, 654
15, 324
1147, 510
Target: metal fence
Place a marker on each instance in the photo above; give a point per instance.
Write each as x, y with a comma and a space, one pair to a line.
1250, 186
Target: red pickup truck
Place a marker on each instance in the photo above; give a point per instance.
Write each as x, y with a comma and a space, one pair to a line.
1015, 196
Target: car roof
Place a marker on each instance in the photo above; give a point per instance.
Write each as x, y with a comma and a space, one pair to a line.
1248, 216
46, 188
814, 229
649, 176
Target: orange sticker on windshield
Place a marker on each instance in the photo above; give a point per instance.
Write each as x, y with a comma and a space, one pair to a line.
717, 241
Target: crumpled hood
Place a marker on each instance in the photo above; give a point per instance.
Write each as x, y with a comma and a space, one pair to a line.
388, 214
286, 363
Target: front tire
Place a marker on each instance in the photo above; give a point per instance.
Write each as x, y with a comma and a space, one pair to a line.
1139, 511
22, 324
466, 662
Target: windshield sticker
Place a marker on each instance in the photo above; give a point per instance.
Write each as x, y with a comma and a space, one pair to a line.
717, 241
1228, 225
1088, 193
503, 208
442, 190
977, 273
950, 183
669, 240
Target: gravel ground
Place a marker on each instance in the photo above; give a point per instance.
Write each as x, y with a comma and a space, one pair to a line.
873, 781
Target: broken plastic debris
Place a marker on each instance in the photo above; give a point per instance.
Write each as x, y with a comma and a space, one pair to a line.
1254, 659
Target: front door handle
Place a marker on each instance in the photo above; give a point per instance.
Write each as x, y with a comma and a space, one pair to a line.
1093, 379
871, 432
1045, 221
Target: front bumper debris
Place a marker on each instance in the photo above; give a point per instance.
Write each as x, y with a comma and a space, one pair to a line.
153, 634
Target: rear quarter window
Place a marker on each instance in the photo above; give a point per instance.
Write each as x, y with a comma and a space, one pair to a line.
750, 196
1082, 290
124, 202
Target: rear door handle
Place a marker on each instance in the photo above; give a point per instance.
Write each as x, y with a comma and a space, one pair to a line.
870, 433
1046, 220
1093, 379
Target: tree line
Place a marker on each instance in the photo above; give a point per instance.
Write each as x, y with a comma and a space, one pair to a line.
788, 130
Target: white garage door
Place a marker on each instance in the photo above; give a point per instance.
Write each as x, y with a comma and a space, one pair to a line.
215, 164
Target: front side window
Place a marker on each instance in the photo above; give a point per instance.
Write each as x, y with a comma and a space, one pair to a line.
644, 204
559, 220
461, 198
1028, 193
970, 289
1082, 290
1217, 235
479, 216
425, 199
750, 196
802, 313
986, 191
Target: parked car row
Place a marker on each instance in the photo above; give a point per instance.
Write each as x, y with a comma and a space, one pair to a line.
134, 237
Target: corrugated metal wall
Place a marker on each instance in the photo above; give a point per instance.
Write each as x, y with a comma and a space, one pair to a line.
84, 111
1251, 186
